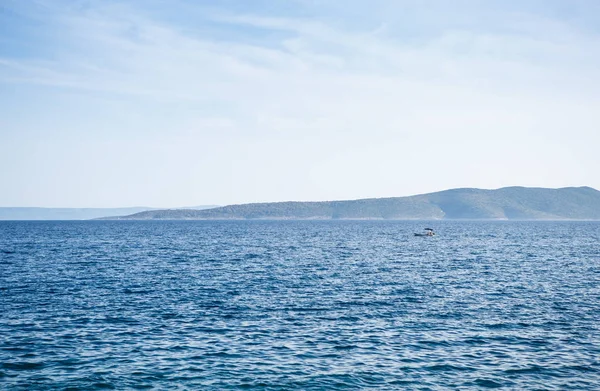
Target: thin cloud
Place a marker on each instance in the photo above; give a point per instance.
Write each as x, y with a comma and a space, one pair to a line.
365, 96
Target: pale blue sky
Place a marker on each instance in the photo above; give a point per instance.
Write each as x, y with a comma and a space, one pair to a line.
169, 103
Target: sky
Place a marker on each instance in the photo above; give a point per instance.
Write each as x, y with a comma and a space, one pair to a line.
107, 103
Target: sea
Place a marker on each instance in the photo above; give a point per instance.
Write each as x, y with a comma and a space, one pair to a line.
299, 305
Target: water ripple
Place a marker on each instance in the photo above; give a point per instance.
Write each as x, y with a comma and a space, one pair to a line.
299, 305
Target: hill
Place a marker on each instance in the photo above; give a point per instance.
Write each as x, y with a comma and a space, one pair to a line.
519, 203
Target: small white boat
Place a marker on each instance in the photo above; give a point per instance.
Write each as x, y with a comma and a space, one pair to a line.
428, 232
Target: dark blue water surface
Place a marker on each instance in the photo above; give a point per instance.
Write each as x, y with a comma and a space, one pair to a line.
271, 305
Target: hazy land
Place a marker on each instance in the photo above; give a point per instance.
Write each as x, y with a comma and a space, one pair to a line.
26, 213
509, 203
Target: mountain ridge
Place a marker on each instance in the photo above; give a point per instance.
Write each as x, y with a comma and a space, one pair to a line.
507, 203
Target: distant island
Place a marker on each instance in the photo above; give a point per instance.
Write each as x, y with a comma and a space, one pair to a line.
509, 203
26, 213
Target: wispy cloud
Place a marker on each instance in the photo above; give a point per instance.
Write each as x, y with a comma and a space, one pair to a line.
388, 82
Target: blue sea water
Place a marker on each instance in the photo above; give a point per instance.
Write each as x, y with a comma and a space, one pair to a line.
299, 305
